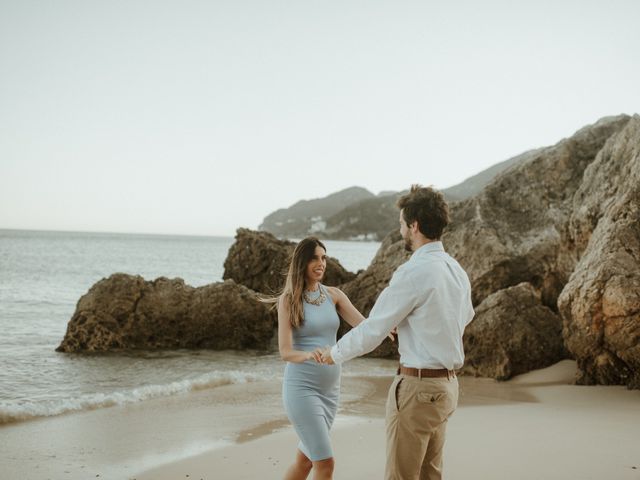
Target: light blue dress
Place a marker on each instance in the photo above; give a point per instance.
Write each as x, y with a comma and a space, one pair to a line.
310, 391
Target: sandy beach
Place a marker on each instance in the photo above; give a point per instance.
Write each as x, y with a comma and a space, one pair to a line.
119, 441
536, 426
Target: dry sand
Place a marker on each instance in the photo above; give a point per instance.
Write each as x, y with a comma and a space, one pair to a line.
536, 426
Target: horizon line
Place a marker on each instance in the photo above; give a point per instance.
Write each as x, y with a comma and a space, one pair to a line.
105, 232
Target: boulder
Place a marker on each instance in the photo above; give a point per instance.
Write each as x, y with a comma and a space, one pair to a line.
512, 333
128, 312
600, 304
259, 261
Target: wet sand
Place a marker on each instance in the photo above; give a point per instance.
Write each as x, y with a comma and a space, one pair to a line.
119, 441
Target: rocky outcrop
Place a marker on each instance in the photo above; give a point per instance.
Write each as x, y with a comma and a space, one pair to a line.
128, 312
516, 229
565, 222
363, 291
259, 261
512, 231
512, 333
600, 303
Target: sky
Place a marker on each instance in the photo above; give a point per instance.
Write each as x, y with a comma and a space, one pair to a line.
199, 117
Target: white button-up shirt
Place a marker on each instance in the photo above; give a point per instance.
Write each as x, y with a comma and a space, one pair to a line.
429, 300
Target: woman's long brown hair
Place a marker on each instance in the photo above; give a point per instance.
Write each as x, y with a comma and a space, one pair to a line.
295, 281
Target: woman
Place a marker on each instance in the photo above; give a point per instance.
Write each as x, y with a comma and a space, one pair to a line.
307, 322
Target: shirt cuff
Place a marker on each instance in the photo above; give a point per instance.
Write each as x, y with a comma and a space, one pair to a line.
335, 355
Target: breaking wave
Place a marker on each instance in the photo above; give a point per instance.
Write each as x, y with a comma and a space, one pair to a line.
20, 410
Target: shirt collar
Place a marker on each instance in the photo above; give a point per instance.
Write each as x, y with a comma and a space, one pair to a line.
429, 248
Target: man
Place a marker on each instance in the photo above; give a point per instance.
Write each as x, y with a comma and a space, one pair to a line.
429, 301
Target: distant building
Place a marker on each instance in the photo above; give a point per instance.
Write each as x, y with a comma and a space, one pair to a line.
317, 225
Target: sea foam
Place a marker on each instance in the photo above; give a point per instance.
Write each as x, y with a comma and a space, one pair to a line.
25, 409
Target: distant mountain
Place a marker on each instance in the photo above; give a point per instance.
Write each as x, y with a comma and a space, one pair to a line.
369, 219
357, 214
309, 216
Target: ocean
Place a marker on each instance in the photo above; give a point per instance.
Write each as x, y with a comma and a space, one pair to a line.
42, 276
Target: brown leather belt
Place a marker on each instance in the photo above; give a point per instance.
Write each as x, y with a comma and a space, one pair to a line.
426, 372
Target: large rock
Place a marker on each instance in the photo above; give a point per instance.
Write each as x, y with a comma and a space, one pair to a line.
128, 312
512, 333
516, 229
567, 222
600, 304
363, 291
259, 261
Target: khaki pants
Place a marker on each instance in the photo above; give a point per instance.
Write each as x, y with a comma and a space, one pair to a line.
416, 420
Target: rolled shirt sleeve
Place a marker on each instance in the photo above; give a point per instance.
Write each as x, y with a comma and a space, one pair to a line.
393, 305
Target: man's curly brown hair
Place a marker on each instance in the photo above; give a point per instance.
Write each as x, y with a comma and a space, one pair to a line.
428, 207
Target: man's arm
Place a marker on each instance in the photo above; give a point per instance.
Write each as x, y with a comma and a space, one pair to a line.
393, 305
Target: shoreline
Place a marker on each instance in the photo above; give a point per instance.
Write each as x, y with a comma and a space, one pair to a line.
537, 425
118, 441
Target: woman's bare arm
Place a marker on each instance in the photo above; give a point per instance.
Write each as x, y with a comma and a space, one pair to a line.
285, 338
345, 308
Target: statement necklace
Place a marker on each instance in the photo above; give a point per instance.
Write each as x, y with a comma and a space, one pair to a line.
315, 301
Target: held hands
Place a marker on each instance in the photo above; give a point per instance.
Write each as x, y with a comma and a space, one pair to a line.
315, 355
326, 356
320, 355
